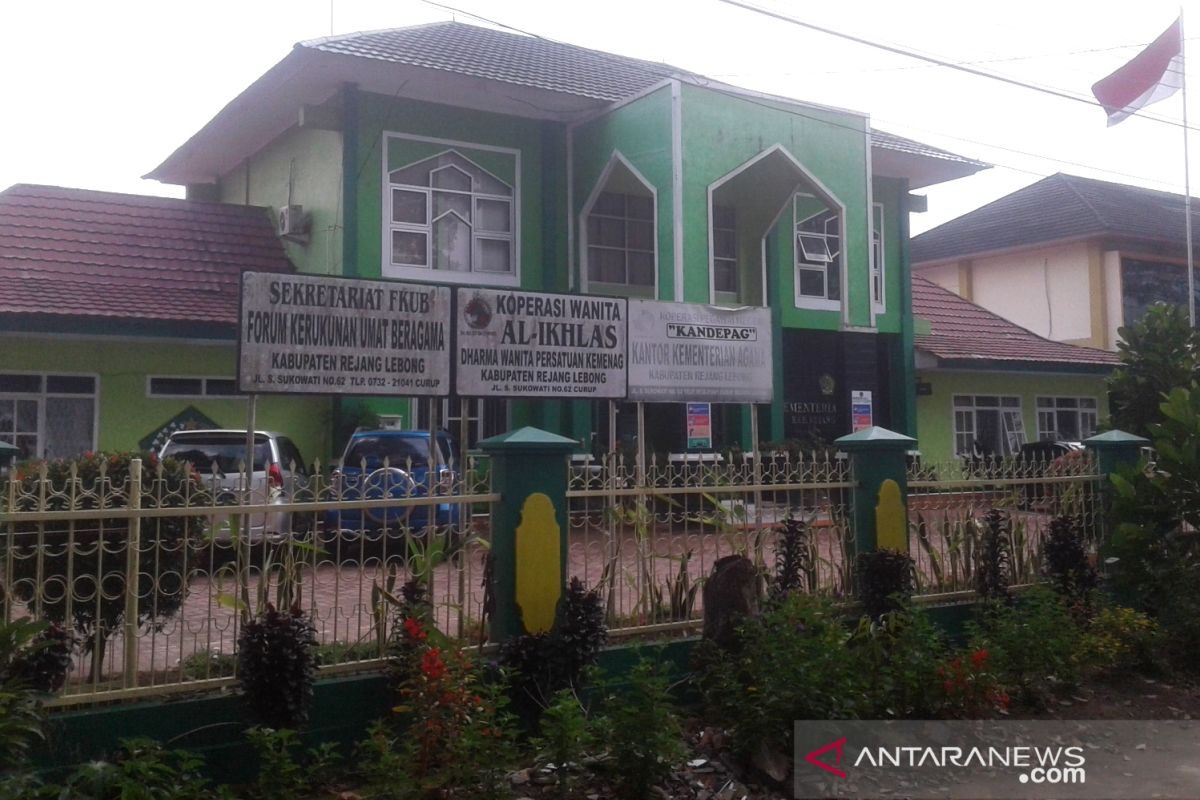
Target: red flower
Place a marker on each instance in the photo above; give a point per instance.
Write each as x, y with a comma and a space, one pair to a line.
413, 629
979, 659
432, 665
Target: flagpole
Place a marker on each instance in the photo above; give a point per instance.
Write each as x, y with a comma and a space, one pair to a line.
1187, 183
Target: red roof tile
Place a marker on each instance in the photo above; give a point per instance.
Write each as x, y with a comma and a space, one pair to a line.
963, 331
81, 253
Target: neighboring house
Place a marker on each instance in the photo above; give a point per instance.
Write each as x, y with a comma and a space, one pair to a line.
118, 318
985, 384
462, 155
1072, 259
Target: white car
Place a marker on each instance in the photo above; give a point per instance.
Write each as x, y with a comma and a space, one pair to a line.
217, 456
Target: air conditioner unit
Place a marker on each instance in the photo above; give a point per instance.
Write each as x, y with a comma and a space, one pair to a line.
293, 221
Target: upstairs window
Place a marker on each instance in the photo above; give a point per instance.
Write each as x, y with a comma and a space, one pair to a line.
620, 240
619, 233
725, 257
450, 216
818, 254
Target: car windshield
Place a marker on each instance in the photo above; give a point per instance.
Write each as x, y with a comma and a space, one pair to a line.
226, 451
397, 450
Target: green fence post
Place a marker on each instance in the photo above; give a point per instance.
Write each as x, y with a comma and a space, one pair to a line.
878, 501
1115, 449
529, 529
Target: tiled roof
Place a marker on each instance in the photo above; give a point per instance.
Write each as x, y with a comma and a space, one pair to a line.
499, 56
1055, 208
81, 253
551, 80
890, 141
963, 331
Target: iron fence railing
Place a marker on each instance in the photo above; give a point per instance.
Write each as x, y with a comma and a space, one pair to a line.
950, 509
155, 572
648, 535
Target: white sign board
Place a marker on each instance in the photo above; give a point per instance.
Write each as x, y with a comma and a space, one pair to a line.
680, 352
303, 334
522, 344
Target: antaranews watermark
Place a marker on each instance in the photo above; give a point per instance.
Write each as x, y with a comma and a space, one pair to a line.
993, 760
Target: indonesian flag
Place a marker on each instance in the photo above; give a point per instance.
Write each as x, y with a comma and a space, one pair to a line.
1154, 74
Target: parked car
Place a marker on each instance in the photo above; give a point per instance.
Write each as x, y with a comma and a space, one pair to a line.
1046, 450
377, 464
278, 472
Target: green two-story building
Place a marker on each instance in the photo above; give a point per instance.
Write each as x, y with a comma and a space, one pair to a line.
460, 155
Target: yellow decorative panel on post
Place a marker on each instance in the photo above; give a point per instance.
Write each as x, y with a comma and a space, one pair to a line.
539, 579
891, 518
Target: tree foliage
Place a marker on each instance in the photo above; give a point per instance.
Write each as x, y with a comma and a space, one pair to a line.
1158, 353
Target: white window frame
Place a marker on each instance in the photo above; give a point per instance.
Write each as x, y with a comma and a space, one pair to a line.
633, 290
204, 393
878, 259
1052, 433
807, 301
476, 276
967, 403
42, 395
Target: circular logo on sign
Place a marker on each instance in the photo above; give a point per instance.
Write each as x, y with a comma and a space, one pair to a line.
477, 313
826, 383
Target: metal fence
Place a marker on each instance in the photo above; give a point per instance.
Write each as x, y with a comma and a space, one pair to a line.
205, 554
647, 535
950, 505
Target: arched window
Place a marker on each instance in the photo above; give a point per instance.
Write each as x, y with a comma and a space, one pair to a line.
619, 241
448, 214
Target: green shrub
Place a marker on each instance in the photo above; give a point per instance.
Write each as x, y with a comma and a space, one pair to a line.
1119, 640
644, 736
884, 579
901, 651
284, 772
790, 663
20, 711
1065, 561
140, 770
565, 737
58, 581
1157, 354
540, 665
1033, 644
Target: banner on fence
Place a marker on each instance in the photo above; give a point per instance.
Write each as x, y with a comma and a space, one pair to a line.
699, 426
525, 344
680, 352
861, 410
304, 334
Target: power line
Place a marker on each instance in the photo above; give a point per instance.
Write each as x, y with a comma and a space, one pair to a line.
786, 105
1062, 94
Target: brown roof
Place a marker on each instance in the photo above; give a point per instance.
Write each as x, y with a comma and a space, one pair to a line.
473, 67
1055, 208
81, 253
506, 57
963, 333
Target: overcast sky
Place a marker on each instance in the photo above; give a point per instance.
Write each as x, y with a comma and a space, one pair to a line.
97, 94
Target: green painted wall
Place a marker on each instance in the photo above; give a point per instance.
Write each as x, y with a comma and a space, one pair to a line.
721, 132
126, 414
935, 414
311, 160
890, 192
377, 114
641, 132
